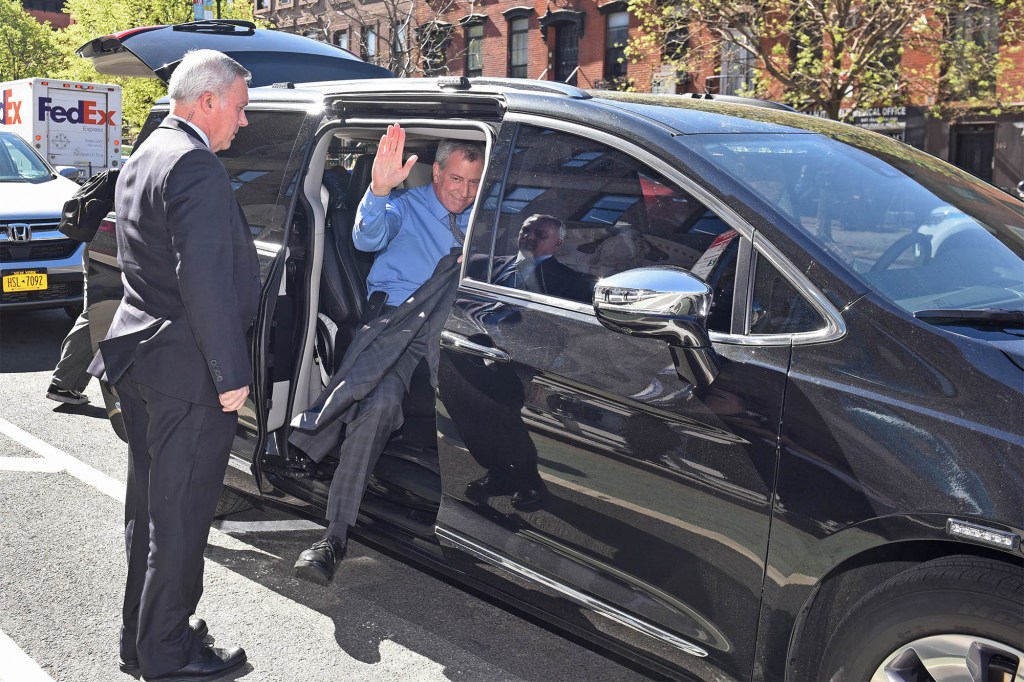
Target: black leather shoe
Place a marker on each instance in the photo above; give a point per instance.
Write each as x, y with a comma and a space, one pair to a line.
317, 563
198, 626
208, 664
494, 483
527, 498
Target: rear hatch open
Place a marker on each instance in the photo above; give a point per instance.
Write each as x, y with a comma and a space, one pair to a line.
271, 56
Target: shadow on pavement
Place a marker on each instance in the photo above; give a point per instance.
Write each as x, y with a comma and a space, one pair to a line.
373, 600
30, 340
87, 410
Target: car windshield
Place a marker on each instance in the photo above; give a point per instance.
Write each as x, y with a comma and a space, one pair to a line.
18, 163
919, 232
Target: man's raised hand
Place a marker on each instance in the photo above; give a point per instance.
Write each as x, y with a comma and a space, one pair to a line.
388, 170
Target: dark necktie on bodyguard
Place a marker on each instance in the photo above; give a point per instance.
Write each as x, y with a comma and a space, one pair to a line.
454, 227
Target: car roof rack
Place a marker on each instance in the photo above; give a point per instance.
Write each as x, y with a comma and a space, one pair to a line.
524, 85
736, 99
219, 26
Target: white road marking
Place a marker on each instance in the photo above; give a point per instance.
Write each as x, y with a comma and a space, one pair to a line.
17, 666
242, 527
80, 470
37, 464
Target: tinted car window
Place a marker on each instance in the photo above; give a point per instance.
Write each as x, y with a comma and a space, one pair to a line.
256, 163
618, 213
777, 307
916, 232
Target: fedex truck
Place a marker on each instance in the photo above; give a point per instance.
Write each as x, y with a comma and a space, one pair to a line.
67, 122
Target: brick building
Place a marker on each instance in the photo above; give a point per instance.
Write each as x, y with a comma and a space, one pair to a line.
582, 42
47, 10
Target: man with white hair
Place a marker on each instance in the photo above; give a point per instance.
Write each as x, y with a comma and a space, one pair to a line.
535, 267
177, 355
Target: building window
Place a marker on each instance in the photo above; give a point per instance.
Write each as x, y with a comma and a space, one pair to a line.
736, 76
368, 45
341, 38
434, 39
676, 44
518, 47
399, 45
474, 50
616, 36
262, 5
973, 52
284, 3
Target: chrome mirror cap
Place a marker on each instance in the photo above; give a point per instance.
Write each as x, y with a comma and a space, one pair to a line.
663, 301
667, 303
662, 290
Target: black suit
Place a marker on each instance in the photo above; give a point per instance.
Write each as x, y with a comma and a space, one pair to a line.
178, 340
550, 277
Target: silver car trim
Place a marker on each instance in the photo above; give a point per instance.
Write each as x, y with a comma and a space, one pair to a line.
454, 539
458, 342
835, 326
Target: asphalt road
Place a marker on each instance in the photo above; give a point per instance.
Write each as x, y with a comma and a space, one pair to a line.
62, 470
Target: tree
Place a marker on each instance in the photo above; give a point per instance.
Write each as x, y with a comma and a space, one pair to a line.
403, 36
835, 56
95, 18
28, 49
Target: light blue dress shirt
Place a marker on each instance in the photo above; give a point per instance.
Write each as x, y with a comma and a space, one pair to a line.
409, 231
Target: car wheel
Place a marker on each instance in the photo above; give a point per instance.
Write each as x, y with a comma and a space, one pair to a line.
231, 502
958, 618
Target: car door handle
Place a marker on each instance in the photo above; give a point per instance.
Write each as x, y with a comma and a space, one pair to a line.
461, 344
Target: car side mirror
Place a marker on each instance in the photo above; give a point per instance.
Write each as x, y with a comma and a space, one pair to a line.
666, 303
70, 172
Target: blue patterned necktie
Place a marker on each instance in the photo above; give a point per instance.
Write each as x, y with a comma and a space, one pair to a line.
454, 227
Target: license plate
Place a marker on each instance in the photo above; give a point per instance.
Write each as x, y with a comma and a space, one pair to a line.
24, 280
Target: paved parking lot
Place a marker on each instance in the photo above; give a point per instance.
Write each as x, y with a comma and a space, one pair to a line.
62, 569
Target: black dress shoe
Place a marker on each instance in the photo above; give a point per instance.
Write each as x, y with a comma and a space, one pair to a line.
317, 563
208, 664
197, 625
528, 497
494, 483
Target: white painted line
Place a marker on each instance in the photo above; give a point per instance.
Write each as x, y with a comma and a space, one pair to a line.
39, 464
17, 666
80, 470
242, 527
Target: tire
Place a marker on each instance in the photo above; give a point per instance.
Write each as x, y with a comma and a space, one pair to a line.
930, 621
231, 502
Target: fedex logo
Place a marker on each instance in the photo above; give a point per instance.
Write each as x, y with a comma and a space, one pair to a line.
85, 112
11, 111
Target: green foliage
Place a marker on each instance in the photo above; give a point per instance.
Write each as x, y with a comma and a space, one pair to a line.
835, 56
94, 18
27, 48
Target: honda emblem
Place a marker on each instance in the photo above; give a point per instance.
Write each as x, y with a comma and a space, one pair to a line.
19, 232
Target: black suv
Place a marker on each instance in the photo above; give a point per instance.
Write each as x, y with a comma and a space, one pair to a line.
782, 441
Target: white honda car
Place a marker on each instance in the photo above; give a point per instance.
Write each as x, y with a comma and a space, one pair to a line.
41, 268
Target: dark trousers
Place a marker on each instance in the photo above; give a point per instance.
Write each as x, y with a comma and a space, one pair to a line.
378, 414
178, 452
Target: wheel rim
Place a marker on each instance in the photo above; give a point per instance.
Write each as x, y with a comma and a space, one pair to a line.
952, 658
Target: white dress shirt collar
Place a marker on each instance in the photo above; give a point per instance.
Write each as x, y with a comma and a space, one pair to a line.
194, 127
